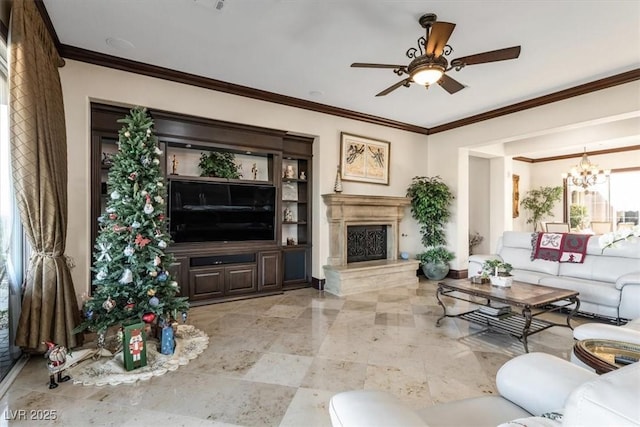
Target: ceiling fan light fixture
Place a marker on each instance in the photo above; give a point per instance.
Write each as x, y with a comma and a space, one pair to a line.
427, 74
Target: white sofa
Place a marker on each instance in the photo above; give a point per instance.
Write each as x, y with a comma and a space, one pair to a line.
608, 282
530, 386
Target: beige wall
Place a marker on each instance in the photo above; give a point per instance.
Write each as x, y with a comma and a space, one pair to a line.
83, 83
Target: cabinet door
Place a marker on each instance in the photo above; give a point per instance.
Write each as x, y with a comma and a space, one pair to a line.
269, 276
206, 283
240, 279
178, 270
295, 266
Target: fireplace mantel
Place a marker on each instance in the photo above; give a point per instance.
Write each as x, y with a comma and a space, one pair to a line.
344, 210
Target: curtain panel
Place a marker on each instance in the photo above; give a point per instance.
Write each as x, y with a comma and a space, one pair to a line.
39, 159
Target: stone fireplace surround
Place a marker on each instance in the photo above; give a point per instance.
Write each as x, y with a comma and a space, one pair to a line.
344, 210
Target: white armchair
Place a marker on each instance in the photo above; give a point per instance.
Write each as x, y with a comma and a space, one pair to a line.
529, 385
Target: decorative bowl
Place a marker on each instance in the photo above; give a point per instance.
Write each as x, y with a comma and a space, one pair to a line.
501, 281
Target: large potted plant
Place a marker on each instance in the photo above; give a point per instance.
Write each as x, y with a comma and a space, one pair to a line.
430, 203
540, 202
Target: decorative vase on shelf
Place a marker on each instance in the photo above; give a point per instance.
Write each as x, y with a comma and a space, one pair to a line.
338, 185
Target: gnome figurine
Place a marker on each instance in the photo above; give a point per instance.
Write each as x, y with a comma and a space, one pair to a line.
57, 356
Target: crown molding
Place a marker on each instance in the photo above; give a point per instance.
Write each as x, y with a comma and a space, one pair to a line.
577, 155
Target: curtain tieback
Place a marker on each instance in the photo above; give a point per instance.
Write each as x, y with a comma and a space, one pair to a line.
69, 260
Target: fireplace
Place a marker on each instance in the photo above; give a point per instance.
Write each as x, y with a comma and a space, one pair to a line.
364, 240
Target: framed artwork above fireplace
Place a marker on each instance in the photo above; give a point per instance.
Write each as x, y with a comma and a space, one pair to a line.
364, 159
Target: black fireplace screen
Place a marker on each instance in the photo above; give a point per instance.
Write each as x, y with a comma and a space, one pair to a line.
366, 243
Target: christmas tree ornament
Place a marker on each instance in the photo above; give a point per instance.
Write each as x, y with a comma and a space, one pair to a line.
144, 160
162, 244
101, 219
115, 195
159, 199
173, 284
148, 208
111, 210
101, 275
156, 161
162, 277
151, 292
154, 301
142, 241
157, 151
148, 131
144, 193
153, 273
184, 317
129, 306
109, 304
148, 317
112, 216
161, 217
159, 184
133, 176
127, 277
88, 314
157, 261
127, 134
104, 251
128, 251
135, 225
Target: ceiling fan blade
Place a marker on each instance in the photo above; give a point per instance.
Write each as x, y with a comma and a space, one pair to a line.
438, 38
366, 65
395, 86
449, 84
484, 57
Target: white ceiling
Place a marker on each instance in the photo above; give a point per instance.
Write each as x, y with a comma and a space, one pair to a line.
304, 48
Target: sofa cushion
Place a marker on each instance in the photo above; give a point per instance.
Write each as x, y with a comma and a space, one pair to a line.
520, 258
528, 276
600, 268
602, 293
610, 400
478, 411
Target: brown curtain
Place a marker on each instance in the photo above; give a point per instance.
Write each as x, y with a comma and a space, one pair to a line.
39, 160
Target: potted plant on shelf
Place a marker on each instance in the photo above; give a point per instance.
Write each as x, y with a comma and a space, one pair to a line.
540, 202
430, 203
219, 164
498, 272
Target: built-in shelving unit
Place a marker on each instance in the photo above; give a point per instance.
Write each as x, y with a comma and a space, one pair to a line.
218, 270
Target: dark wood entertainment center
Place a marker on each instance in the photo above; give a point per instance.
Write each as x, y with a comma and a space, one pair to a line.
216, 271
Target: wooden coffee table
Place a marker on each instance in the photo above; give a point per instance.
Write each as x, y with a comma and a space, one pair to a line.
605, 355
531, 300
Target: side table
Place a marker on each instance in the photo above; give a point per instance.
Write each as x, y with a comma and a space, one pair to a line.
604, 355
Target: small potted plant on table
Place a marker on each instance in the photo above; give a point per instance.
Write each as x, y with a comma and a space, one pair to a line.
498, 272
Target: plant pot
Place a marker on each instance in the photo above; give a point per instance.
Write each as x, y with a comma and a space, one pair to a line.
435, 270
501, 281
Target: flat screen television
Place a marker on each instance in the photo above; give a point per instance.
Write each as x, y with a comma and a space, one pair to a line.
219, 211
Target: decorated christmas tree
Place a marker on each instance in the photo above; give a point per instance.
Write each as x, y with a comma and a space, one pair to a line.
131, 279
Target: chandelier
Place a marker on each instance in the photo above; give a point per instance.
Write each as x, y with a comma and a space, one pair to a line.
585, 174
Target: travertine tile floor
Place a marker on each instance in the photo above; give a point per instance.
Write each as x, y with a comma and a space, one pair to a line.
277, 360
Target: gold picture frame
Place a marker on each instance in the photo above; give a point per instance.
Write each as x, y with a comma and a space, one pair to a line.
364, 159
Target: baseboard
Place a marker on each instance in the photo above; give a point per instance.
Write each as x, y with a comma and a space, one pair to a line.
317, 283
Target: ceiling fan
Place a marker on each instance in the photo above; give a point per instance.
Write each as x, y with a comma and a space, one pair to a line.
428, 63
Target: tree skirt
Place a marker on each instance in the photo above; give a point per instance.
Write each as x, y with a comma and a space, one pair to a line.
190, 342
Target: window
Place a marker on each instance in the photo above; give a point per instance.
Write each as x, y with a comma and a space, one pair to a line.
11, 254
605, 207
